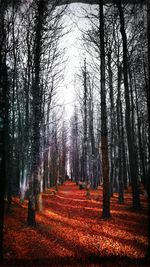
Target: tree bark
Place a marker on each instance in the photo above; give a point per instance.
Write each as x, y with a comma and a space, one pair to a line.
3, 116
120, 142
132, 159
148, 101
85, 174
36, 105
104, 135
141, 152
112, 122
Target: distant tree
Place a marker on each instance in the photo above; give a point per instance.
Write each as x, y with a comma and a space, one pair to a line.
63, 153
93, 153
75, 147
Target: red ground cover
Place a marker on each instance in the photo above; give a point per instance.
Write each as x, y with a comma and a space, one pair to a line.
71, 232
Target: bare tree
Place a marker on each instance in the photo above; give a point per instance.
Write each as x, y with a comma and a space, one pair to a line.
104, 138
132, 158
3, 116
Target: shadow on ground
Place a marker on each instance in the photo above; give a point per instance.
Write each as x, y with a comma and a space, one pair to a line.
89, 260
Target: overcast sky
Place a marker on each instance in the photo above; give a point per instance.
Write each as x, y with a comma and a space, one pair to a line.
74, 52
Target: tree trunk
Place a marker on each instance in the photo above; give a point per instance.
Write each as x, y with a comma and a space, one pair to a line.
141, 152
85, 174
120, 141
148, 102
112, 123
2, 155
3, 115
36, 105
31, 213
124, 157
92, 141
104, 138
132, 159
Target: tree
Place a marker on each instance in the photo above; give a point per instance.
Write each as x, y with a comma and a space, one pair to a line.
75, 147
3, 119
104, 140
4, 92
85, 141
36, 105
93, 153
41, 12
63, 153
132, 158
148, 102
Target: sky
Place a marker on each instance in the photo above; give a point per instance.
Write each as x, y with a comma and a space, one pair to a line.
75, 54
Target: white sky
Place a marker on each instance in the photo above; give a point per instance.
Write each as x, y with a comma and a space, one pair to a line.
74, 52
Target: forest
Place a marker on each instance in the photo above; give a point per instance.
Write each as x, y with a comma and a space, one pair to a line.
75, 192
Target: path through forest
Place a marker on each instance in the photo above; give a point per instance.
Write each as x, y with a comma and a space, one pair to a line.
71, 232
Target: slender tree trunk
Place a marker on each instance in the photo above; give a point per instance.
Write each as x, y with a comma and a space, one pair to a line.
27, 102
124, 157
85, 174
104, 138
3, 115
46, 141
45, 157
112, 122
2, 156
92, 141
13, 127
120, 165
132, 159
141, 152
132, 103
45, 174
148, 102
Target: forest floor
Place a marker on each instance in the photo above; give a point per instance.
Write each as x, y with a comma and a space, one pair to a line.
71, 232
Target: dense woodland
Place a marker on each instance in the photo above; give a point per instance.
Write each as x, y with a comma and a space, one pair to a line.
106, 142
